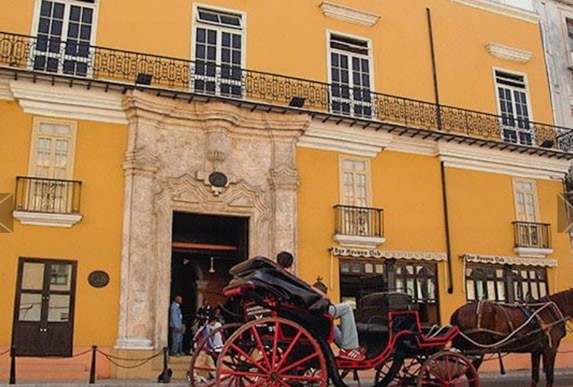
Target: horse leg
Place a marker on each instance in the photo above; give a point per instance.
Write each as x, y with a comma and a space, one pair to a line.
549, 366
535, 358
476, 362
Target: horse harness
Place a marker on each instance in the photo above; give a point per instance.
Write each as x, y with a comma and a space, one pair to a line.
532, 316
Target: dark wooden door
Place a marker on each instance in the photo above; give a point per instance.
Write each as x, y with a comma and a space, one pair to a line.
44, 307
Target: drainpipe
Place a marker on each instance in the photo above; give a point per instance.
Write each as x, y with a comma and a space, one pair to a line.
447, 225
434, 70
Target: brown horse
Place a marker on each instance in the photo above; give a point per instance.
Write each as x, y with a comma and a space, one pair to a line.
536, 328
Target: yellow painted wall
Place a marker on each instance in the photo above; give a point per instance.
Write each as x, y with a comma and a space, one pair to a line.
408, 188
95, 242
290, 38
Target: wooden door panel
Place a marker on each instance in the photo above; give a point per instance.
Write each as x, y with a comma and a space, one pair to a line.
43, 315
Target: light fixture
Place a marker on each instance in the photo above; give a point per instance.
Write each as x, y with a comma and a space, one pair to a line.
212, 268
547, 144
296, 102
143, 79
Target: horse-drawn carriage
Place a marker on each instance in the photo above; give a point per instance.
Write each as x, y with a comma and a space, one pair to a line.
286, 338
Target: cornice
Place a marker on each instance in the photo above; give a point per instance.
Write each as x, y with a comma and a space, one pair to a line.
5, 93
347, 14
413, 145
175, 113
497, 161
363, 143
47, 219
508, 53
62, 101
502, 9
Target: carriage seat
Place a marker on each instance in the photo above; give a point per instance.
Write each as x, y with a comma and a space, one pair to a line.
269, 276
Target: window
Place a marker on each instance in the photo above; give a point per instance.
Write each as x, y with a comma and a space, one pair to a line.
525, 200
569, 24
485, 283
355, 182
350, 76
218, 52
513, 107
51, 163
64, 35
420, 280
505, 283
53, 144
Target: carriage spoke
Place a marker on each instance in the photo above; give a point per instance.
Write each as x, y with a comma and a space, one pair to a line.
299, 362
261, 346
289, 349
248, 357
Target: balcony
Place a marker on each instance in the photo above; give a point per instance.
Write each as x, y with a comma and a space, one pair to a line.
47, 202
77, 63
532, 239
360, 227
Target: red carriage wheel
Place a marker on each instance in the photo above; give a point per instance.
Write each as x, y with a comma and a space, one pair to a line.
448, 369
204, 359
271, 352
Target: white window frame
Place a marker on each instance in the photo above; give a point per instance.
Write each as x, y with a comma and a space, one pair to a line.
341, 160
516, 181
195, 23
329, 51
528, 101
68, 4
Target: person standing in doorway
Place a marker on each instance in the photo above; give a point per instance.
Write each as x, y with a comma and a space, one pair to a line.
177, 327
347, 335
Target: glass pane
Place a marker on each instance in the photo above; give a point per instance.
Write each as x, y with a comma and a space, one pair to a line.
60, 276
30, 307
59, 307
501, 291
471, 295
491, 290
368, 268
534, 292
432, 289
379, 268
542, 289
33, 276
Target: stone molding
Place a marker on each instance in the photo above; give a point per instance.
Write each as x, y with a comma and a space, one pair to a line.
172, 148
347, 14
497, 161
47, 219
508, 53
70, 102
502, 9
364, 143
5, 93
140, 160
358, 242
532, 252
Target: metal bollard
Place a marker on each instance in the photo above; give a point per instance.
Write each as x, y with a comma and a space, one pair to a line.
165, 376
93, 365
12, 365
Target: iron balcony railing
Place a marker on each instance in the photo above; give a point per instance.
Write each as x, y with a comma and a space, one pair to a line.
532, 235
79, 60
35, 194
359, 221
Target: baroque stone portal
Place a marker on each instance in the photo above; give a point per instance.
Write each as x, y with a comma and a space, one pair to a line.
173, 148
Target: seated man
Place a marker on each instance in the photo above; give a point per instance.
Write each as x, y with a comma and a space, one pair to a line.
347, 337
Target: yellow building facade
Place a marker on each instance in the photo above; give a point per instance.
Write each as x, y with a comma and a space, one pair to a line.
148, 148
